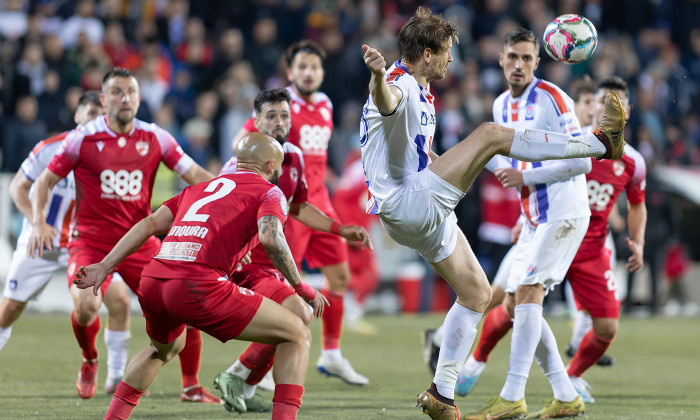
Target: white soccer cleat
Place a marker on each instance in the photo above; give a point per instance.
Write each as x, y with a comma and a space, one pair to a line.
340, 369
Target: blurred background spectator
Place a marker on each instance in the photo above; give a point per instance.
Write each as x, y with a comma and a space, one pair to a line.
200, 64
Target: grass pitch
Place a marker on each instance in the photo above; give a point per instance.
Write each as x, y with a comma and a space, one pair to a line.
656, 375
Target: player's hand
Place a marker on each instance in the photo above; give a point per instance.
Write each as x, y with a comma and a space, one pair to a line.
356, 233
636, 261
509, 177
246, 259
374, 61
92, 275
42, 238
319, 304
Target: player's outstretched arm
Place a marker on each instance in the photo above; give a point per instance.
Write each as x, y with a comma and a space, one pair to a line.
19, 191
636, 224
155, 224
271, 235
197, 174
311, 216
385, 98
43, 233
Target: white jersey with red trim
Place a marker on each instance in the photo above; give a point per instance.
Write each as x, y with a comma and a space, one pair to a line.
62, 200
550, 192
410, 129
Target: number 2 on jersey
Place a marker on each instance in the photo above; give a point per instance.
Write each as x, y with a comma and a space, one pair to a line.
226, 187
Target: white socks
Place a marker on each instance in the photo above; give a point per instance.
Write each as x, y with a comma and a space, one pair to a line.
473, 367
4, 336
117, 343
333, 355
459, 330
549, 359
536, 145
527, 330
239, 370
582, 324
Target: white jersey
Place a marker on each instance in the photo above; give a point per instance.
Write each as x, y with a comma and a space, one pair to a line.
62, 200
550, 191
411, 125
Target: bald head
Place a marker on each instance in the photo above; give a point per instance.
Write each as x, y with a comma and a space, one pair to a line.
260, 153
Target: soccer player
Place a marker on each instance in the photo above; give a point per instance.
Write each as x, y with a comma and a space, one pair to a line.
114, 159
27, 276
554, 206
238, 383
210, 227
591, 274
312, 124
414, 191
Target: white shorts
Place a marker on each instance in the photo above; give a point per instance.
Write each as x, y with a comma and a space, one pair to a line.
28, 276
420, 215
501, 278
543, 255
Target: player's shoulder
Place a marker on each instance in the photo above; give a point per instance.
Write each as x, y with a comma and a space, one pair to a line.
146, 126
633, 156
293, 150
561, 101
50, 143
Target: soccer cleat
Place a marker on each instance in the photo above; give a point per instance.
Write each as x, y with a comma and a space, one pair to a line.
583, 388
610, 129
340, 369
111, 384
197, 393
87, 379
257, 404
436, 409
267, 383
500, 408
430, 350
465, 384
557, 409
231, 388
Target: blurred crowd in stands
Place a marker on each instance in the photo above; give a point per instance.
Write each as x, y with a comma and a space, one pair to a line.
200, 64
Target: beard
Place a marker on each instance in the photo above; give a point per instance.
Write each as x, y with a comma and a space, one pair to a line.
303, 91
275, 178
123, 120
281, 138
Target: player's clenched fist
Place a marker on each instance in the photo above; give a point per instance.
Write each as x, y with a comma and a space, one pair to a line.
374, 60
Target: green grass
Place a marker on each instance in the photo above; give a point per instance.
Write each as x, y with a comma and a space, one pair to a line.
656, 375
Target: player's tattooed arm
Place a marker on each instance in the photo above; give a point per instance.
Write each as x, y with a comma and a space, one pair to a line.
271, 235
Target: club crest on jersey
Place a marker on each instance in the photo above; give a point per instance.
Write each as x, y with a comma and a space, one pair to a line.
618, 168
531, 270
121, 142
423, 118
100, 145
294, 174
529, 112
325, 114
142, 147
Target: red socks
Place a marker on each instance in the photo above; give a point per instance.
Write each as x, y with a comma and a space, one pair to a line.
332, 320
125, 399
589, 351
190, 357
258, 358
87, 336
496, 324
286, 401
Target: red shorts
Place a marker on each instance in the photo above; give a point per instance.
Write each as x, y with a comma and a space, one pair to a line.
318, 248
219, 308
81, 253
265, 281
594, 286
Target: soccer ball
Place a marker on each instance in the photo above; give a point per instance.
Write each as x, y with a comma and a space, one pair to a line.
570, 39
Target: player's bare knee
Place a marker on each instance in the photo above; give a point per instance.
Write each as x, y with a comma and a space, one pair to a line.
300, 334
339, 283
10, 310
300, 309
607, 331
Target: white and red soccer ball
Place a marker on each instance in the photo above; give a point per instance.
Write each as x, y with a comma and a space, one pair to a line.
570, 39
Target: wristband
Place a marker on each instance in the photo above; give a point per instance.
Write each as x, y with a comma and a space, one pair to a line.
335, 228
305, 291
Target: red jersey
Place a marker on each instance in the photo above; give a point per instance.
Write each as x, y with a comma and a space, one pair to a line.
606, 181
312, 125
292, 183
500, 209
215, 224
114, 175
